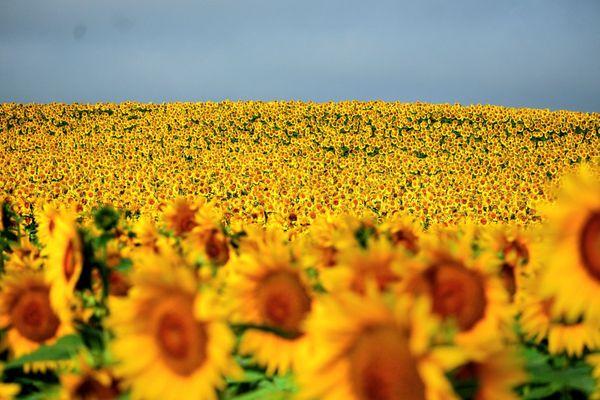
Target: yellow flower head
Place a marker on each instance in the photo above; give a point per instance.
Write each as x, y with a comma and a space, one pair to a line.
572, 266
368, 346
464, 289
27, 313
65, 261
166, 346
267, 287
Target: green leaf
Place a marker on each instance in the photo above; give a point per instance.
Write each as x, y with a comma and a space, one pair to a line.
249, 377
45, 392
124, 265
541, 392
64, 348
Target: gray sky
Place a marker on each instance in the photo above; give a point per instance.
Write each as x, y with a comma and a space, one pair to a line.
536, 53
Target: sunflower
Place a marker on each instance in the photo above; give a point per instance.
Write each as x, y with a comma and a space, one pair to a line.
464, 289
594, 361
148, 237
371, 347
25, 255
404, 231
65, 261
207, 240
87, 383
540, 320
380, 264
572, 273
494, 377
180, 216
9, 391
267, 287
167, 346
27, 313
46, 217
516, 250
326, 237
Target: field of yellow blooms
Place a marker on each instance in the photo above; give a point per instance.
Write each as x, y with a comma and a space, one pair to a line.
290, 250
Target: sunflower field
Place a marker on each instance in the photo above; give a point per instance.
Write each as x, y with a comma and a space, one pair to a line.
292, 250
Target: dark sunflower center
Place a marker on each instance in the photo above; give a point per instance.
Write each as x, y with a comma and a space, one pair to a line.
184, 221
507, 273
406, 238
458, 293
217, 248
119, 284
33, 317
283, 301
181, 339
589, 246
329, 256
382, 367
91, 389
69, 261
516, 252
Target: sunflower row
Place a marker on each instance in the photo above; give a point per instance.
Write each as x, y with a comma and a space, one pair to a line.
192, 307
292, 162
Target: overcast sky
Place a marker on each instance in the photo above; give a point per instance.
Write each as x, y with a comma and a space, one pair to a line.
535, 53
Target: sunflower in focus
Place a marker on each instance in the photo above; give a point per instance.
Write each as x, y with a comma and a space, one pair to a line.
166, 347
268, 287
26, 312
572, 273
65, 261
372, 347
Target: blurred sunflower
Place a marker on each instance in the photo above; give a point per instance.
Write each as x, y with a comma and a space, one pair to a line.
46, 217
572, 267
327, 235
267, 287
515, 248
166, 347
65, 261
207, 241
404, 231
25, 255
86, 383
540, 320
180, 216
464, 289
594, 361
494, 377
27, 314
371, 347
380, 264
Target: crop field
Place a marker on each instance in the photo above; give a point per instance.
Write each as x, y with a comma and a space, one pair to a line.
283, 250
